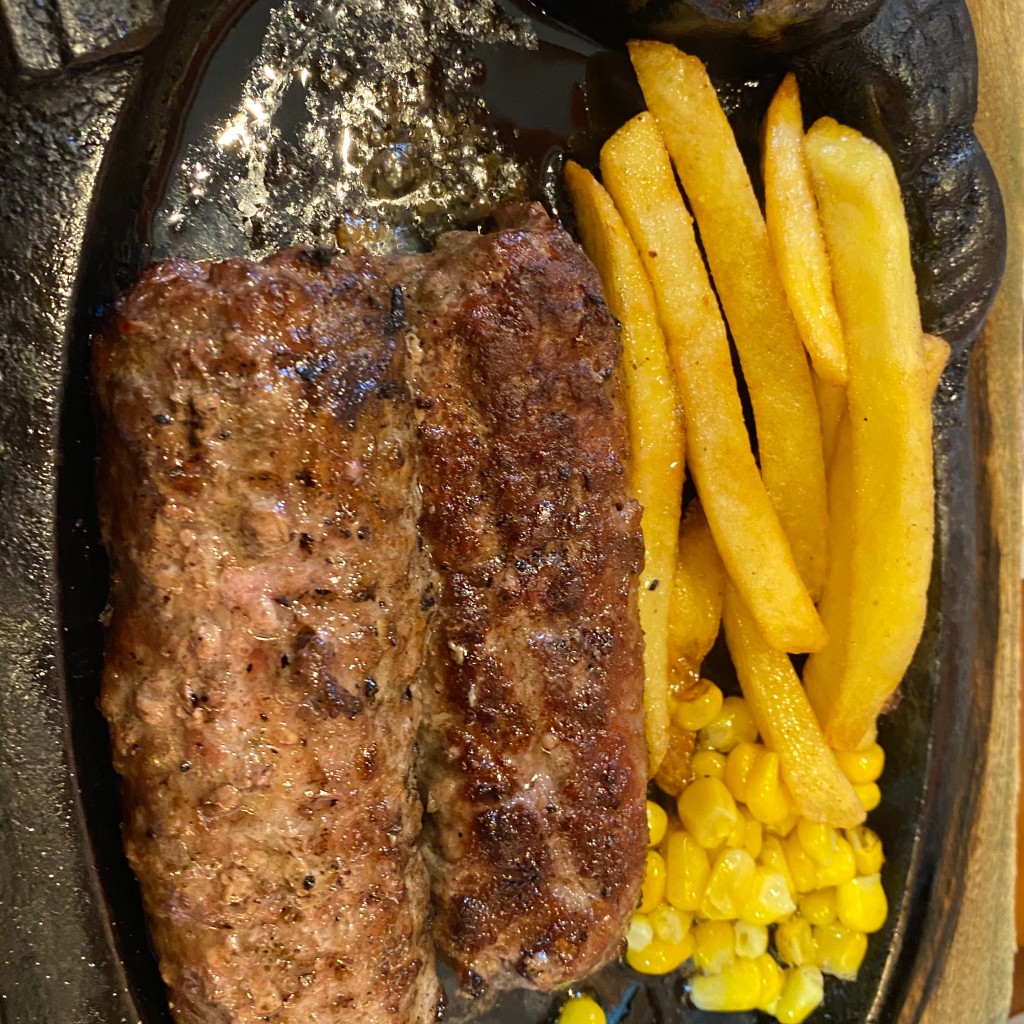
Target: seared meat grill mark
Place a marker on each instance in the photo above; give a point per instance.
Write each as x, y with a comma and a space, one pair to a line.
256, 486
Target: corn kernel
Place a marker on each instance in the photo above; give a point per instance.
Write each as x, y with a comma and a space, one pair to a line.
751, 939
861, 766
699, 706
708, 811
660, 957
802, 992
737, 768
753, 837
867, 850
728, 885
714, 945
771, 980
769, 899
736, 987
795, 941
841, 868
581, 1010
861, 903
670, 925
640, 933
773, 857
802, 867
869, 794
766, 794
688, 869
819, 907
784, 827
708, 763
657, 823
652, 891
840, 949
820, 842
733, 724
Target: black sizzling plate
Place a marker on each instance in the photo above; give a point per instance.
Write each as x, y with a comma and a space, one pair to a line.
99, 150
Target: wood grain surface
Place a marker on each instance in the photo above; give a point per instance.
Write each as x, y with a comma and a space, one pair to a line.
975, 986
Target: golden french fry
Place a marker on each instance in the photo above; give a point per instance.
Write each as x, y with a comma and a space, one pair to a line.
936, 355
831, 406
787, 724
732, 230
891, 500
655, 426
791, 215
757, 556
697, 589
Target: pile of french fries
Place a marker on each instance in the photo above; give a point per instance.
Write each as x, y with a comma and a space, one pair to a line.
822, 542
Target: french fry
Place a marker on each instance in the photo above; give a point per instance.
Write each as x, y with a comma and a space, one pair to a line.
791, 216
831, 406
655, 426
891, 504
936, 355
638, 175
787, 724
715, 180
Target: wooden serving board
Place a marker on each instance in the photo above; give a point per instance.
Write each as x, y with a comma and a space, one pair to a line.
974, 986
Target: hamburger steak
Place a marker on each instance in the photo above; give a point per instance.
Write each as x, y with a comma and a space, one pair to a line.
287, 621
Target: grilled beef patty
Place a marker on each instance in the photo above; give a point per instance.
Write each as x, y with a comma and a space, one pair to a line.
257, 494
533, 757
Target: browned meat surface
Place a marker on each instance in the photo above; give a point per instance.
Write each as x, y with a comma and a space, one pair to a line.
533, 755
256, 483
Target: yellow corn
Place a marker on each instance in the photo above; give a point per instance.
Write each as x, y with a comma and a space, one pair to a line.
867, 850
802, 867
766, 793
841, 868
819, 907
652, 891
751, 939
795, 941
771, 980
869, 795
861, 766
670, 925
784, 827
733, 724
840, 949
773, 857
657, 823
737, 768
736, 987
640, 933
750, 834
660, 957
581, 1010
802, 993
729, 884
769, 898
708, 763
699, 706
820, 841
861, 903
688, 868
714, 945
708, 811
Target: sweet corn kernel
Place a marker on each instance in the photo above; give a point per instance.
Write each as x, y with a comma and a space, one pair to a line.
733, 724
660, 957
840, 949
736, 987
802, 867
867, 850
784, 827
714, 945
802, 992
795, 941
581, 1010
819, 907
841, 868
751, 939
820, 842
753, 833
861, 903
766, 794
737, 768
708, 763
869, 794
652, 891
640, 933
670, 925
657, 823
698, 706
771, 980
729, 884
769, 899
688, 868
708, 811
861, 766
773, 857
